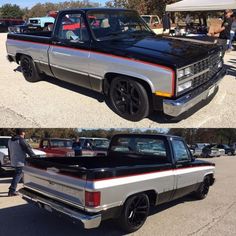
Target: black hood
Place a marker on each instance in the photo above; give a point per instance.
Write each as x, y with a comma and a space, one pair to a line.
162, 50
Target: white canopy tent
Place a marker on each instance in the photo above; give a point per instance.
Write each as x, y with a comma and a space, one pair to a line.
202, 5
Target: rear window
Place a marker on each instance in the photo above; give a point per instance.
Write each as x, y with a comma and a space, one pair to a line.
143, 146
61, 143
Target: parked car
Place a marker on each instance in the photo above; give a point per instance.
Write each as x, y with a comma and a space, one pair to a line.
89, 146
139, 71
198, 148
228, 150
212, 151
5, 163
6, 23
41, 22
139, 172
57, 147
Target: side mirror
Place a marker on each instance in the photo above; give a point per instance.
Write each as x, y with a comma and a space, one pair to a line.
193, 158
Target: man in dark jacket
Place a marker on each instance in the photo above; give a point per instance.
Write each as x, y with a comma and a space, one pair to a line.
226, 27
18, 148
166, 23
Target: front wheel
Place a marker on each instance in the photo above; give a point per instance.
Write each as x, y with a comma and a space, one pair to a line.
129, 99
203, 189
134, 213
29, 69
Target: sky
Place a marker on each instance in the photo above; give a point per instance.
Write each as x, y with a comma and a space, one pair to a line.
30, 3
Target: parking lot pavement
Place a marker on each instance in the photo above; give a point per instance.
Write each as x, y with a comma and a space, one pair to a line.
57, 104
214, 215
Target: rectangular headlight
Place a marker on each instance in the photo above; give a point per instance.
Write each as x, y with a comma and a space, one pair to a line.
180, 73
187, 71
184, 86
184, 72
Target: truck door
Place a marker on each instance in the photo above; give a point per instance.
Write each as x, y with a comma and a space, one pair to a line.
186, 174
70, 49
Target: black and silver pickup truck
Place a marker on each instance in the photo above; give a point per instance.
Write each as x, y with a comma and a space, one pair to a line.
139, 171
113, 51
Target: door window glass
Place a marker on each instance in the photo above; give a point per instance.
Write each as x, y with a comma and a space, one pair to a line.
73, 29
180, 151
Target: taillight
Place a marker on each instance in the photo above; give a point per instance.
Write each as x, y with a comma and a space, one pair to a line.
92, 199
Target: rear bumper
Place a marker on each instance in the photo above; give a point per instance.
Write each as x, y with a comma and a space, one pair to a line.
88, 220
180, 105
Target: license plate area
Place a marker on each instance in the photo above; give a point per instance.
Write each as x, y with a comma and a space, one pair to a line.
211, 91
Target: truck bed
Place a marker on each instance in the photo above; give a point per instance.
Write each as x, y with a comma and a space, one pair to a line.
94, 167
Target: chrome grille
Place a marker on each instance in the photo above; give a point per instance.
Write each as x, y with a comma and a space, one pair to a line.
210, 63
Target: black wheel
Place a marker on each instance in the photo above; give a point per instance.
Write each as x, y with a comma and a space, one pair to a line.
129, 99
29, 69
203, 189
134, 213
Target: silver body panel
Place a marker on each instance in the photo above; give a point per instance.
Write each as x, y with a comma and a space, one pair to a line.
114, 191
94, 65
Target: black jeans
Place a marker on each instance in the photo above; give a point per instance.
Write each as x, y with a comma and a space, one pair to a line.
16, 179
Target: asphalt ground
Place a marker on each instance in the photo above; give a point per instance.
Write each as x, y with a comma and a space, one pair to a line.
214, 215
53, 103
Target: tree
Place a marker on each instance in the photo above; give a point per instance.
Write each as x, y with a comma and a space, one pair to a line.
40, 10
149, 7
11, 11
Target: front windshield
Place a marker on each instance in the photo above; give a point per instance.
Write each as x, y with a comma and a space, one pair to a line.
146, 19
101, 143
116, 24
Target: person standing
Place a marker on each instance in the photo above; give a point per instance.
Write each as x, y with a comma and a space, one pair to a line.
77, 147
166, 23
226, 27
18, 148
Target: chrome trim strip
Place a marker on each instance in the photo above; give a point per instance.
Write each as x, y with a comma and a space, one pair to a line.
70, 70
96, 77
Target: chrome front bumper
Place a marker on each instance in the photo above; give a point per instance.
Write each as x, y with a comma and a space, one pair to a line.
88, 221
180, 105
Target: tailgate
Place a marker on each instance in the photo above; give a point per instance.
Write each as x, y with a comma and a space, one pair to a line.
51, 183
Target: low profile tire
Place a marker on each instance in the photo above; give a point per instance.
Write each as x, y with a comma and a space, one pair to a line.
129, 99
203, 189
134, 213
29, 69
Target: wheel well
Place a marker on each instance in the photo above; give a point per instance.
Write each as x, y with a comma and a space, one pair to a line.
211, 177
110, 76
19, 55
152, 196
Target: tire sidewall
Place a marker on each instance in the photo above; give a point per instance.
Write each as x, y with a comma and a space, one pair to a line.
35, 76
144, 106
124, 223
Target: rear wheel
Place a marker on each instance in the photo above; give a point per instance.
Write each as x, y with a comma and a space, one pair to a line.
29, 69
134, 213
129, 99
203, 189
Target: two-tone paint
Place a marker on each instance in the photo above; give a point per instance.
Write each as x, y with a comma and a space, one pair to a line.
92, 63
68, 183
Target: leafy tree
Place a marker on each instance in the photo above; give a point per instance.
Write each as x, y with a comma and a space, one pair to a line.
11, 11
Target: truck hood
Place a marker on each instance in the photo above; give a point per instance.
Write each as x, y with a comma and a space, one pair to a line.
4, 151
162, 50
